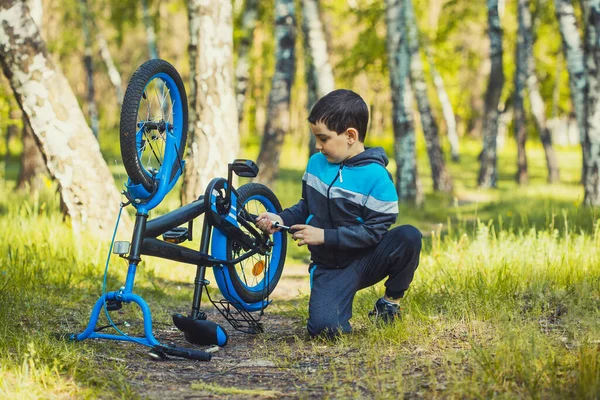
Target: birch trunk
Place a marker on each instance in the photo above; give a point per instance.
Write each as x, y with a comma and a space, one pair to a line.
538, 109
87, 188
278, 112
488, 174
591, 144
441, 178
319, 74
242, 70
213, 138
518, 103
150, 33
447, 110
89, 67
575, 66
113, 73
33, 169
408, 184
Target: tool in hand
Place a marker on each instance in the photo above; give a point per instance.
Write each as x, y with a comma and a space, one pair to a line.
278, 225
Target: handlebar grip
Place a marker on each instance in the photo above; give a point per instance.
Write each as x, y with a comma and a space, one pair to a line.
185, 353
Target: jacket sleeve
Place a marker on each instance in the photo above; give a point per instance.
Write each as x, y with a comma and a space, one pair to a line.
381, 211
298, 213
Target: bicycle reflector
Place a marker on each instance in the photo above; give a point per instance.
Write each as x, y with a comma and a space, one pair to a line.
258, 268
121, 248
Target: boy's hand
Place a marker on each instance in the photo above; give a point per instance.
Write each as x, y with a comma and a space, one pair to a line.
306, 234
266, 220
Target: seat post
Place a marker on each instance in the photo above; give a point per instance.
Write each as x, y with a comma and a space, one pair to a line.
200, 281
136, 247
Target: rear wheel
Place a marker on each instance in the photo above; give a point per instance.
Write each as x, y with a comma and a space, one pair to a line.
255, 277
154, 123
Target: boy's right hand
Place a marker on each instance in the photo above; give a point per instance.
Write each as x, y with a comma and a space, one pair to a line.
266, 221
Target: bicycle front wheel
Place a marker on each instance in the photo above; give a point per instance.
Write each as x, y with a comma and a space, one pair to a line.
154, 123
255, 277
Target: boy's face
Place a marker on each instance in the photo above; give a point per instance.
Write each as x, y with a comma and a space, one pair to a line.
336, 148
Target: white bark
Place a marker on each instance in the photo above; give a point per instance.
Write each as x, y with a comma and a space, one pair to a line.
213, 140
113, 73
243, 63
319, 74
317, 44
574, 57
447, 109
591, 144
408, 184
87, 188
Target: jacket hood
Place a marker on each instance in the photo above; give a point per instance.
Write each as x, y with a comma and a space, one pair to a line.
370, 155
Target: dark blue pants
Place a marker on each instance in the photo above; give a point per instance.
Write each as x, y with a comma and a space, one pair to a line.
332, 290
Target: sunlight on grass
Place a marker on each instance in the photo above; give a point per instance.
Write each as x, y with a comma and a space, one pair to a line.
506, 300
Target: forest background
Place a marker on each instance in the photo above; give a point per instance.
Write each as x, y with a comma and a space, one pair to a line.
507, 300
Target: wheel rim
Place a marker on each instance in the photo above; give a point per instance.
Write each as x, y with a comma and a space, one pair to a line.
251, 273
159, 122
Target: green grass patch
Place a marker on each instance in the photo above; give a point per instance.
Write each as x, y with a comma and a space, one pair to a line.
505, 303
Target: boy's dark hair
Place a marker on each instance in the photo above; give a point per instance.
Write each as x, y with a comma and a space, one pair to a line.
340, 110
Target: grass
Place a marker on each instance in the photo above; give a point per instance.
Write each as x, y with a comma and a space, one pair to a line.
506, 301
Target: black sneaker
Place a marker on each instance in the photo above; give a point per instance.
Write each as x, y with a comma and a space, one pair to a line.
385, 311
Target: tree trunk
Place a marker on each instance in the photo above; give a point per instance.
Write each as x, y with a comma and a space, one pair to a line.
113, 73
150, 33
319, 74
447, 110
278, 112
89, 67
441, 178
575, 65
213, 139
538, 109
33, 169
488, 174
518, 102
591, 144
242, 70
408, 184
72, 154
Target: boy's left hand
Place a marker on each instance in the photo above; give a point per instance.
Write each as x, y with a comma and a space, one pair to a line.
306, 234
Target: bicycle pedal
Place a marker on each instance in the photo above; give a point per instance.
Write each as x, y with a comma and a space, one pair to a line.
114, 305
176, 235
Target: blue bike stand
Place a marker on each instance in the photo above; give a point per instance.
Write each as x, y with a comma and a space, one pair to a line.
89, 332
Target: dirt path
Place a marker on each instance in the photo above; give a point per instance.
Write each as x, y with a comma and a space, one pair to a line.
236, 366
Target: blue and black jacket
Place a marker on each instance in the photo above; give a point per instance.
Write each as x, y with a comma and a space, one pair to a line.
355, 202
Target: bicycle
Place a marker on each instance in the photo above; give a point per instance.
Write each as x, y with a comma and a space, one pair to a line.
247, 263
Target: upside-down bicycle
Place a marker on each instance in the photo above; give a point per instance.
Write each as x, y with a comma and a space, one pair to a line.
247, 263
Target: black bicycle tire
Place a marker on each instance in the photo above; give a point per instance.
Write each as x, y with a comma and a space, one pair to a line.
129, 112
245, 192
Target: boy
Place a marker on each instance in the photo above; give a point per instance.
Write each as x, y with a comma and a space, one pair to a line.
348, 203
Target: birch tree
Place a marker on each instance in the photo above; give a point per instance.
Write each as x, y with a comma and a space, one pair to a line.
87, 189
213, 139
441, 178
447, 109
573, 52
536, 102
319, 74
242, 69
278, 111
408, 184
488, 173
113, 72
591, 143
89, 65
33, 169
518, 103
150, 33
